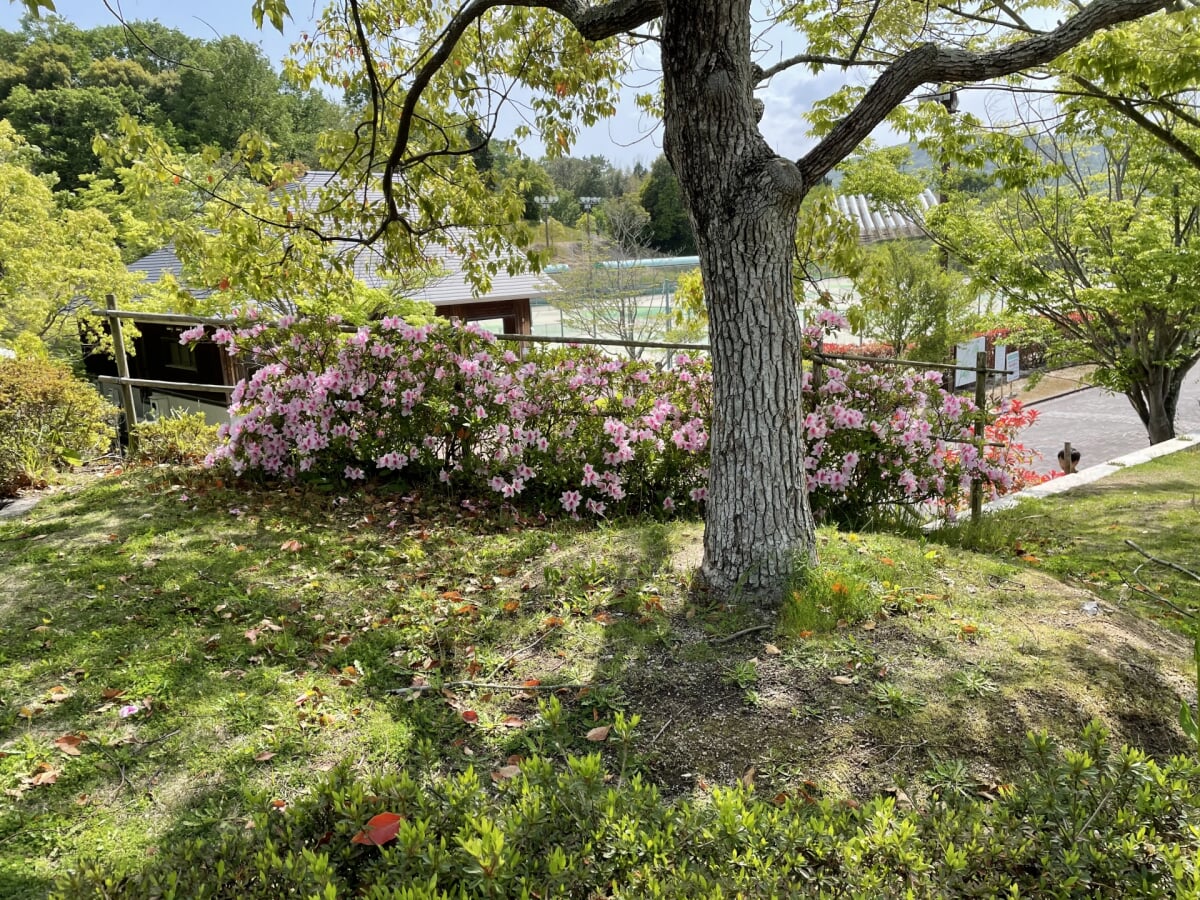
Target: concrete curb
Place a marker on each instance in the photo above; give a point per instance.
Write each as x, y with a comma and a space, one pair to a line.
1096, 473
1078, 390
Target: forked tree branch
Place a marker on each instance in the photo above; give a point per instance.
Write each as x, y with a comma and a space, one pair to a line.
930, 63
594, 23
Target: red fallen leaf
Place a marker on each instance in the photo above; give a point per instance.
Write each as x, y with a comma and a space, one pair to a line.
515, 760
291, 546
470, 716
451, 595
380, 829
603, 618
530, 682
223, 284
887, 560
506, 772
599, 733
553, 622
69, 743
780, 799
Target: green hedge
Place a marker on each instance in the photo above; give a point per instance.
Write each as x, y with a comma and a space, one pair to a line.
49, 420
1094, 821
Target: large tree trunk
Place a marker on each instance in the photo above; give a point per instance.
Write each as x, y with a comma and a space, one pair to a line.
743, 201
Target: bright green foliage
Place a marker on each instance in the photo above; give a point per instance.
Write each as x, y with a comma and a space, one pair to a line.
48, 420
1099, 240
50, 257
1090, 821
1141, 75
910, 301
182, 438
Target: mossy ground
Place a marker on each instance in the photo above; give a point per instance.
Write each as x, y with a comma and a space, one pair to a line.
264, 636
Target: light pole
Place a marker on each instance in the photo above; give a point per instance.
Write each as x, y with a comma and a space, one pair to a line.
545, 202
588, 203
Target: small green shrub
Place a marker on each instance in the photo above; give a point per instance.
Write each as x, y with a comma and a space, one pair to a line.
48, 420
1093, 821
183, 438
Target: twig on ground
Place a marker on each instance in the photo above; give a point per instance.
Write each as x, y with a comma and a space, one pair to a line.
738, 634
513, 656
490, 686
666, 725
1164, 562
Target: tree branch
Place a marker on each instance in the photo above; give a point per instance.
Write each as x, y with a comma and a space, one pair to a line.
929, 63
811, 59
594, 23
1127, 109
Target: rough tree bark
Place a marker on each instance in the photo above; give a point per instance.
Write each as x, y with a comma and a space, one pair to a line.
743, 201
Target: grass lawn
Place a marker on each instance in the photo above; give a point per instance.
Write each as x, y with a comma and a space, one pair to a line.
170, 645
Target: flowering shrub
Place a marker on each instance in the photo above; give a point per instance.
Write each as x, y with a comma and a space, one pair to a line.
573, 430
877, 437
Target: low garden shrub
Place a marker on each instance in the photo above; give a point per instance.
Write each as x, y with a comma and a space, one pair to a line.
1092, 821
182, 438
571, 431
48, 420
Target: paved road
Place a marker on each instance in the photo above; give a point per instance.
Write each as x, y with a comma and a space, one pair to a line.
1102, 426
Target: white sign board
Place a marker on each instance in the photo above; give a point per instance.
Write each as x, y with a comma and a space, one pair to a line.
965, 355
998, 356
1012, 362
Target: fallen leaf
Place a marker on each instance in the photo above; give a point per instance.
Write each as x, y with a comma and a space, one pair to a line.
380, 829
806, 634
748, 778
112, 693
470, 716
291, 546
771, 650
69, 743
842, 679
264, 756
512, 722
600, 733
506, 772
58, 694
868, 626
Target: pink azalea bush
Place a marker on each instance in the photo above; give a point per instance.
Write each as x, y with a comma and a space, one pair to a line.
570, 430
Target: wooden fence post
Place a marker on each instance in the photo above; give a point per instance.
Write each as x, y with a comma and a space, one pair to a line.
114, 327
980, 426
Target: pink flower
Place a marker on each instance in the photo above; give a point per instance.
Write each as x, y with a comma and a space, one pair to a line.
570, 500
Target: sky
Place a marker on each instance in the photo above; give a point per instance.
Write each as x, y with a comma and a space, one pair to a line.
626, 139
